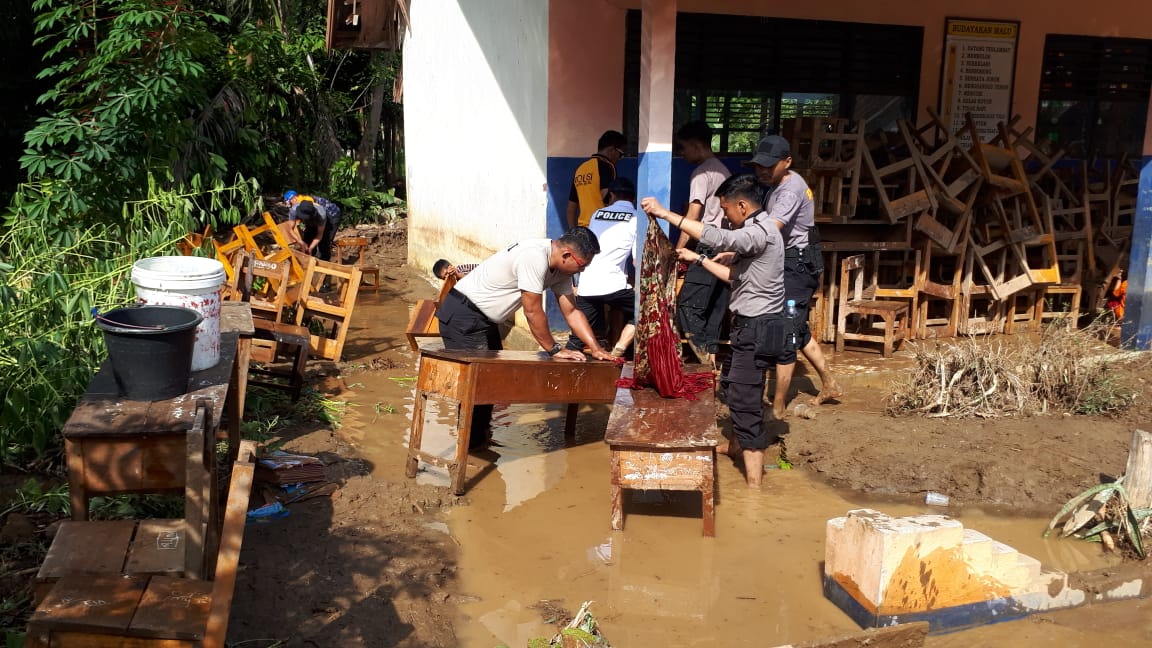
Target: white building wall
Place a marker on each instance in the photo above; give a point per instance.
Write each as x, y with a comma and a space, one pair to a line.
475, 121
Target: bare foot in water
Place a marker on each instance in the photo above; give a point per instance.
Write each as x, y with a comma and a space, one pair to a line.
730, 447
830, 391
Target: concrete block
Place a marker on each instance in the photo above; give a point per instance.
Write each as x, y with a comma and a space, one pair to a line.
884, 571
868, 550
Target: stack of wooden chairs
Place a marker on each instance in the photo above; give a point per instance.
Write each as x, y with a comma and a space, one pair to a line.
293, 295
972, 235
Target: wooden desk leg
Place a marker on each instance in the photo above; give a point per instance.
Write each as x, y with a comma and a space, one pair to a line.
77, 493
708, 499
415, 437
617, 508
243, 359
459, 470
570, 419
617, 494
237, 393
194, 501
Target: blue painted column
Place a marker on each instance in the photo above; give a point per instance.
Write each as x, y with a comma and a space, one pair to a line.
1136, 329
657, 85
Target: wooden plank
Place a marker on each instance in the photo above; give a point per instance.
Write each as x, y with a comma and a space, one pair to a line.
158, 548
231, 538
197, 491
905, 635
173, 608
102, 603
91, 640
87, 547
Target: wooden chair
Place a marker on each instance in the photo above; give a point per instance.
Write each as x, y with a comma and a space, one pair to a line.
194, 241
333, 308
981, 307
271, 334
900, 186
939, 301
358, 246
226, 252
277, 248
828, 152
422, 322
139, 609
268, 341
269, 300
892, 317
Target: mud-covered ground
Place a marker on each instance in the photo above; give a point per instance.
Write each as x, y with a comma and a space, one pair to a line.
368, 567
370, 564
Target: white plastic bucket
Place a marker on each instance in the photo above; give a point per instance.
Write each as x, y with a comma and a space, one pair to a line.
191, 282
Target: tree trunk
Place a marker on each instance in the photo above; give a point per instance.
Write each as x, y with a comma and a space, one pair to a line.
326, 139
367, 151
1138, 474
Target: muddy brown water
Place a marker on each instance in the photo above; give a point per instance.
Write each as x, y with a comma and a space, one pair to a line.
537, 529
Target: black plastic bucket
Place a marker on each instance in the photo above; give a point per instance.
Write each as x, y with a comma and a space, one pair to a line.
150, 349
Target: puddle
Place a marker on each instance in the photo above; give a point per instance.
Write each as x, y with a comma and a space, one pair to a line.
538, 530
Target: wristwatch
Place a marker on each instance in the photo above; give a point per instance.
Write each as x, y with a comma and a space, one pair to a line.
555, 349
700, 259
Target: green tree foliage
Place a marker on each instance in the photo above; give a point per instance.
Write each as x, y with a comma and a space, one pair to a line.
131, 78
51, 279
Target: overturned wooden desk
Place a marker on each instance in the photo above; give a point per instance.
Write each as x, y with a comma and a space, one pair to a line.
489, 377
663, 444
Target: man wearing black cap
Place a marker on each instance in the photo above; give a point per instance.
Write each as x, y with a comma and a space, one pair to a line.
790, 206
592, 177
605, 281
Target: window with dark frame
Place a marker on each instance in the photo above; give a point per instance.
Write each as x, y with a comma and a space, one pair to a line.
1094, 93
744, 74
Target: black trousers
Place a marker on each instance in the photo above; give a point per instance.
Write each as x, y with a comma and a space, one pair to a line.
800, 283
463, 326
324, 249
701, 308
593, 309
743, 379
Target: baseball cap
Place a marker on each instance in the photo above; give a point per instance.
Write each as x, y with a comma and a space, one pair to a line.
770, 150
290, 194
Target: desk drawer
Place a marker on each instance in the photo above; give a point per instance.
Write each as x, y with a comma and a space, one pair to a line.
663, 469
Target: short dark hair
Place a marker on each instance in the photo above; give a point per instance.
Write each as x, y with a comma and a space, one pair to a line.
744, 186
696, 131
622, 189
611, 138
307, 210
440, 265
582, 240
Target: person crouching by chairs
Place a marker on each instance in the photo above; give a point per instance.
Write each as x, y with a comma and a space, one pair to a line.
513, 278
762, 334
604, 283
318, 231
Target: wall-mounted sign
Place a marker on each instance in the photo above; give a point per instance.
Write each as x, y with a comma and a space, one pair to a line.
978, 73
